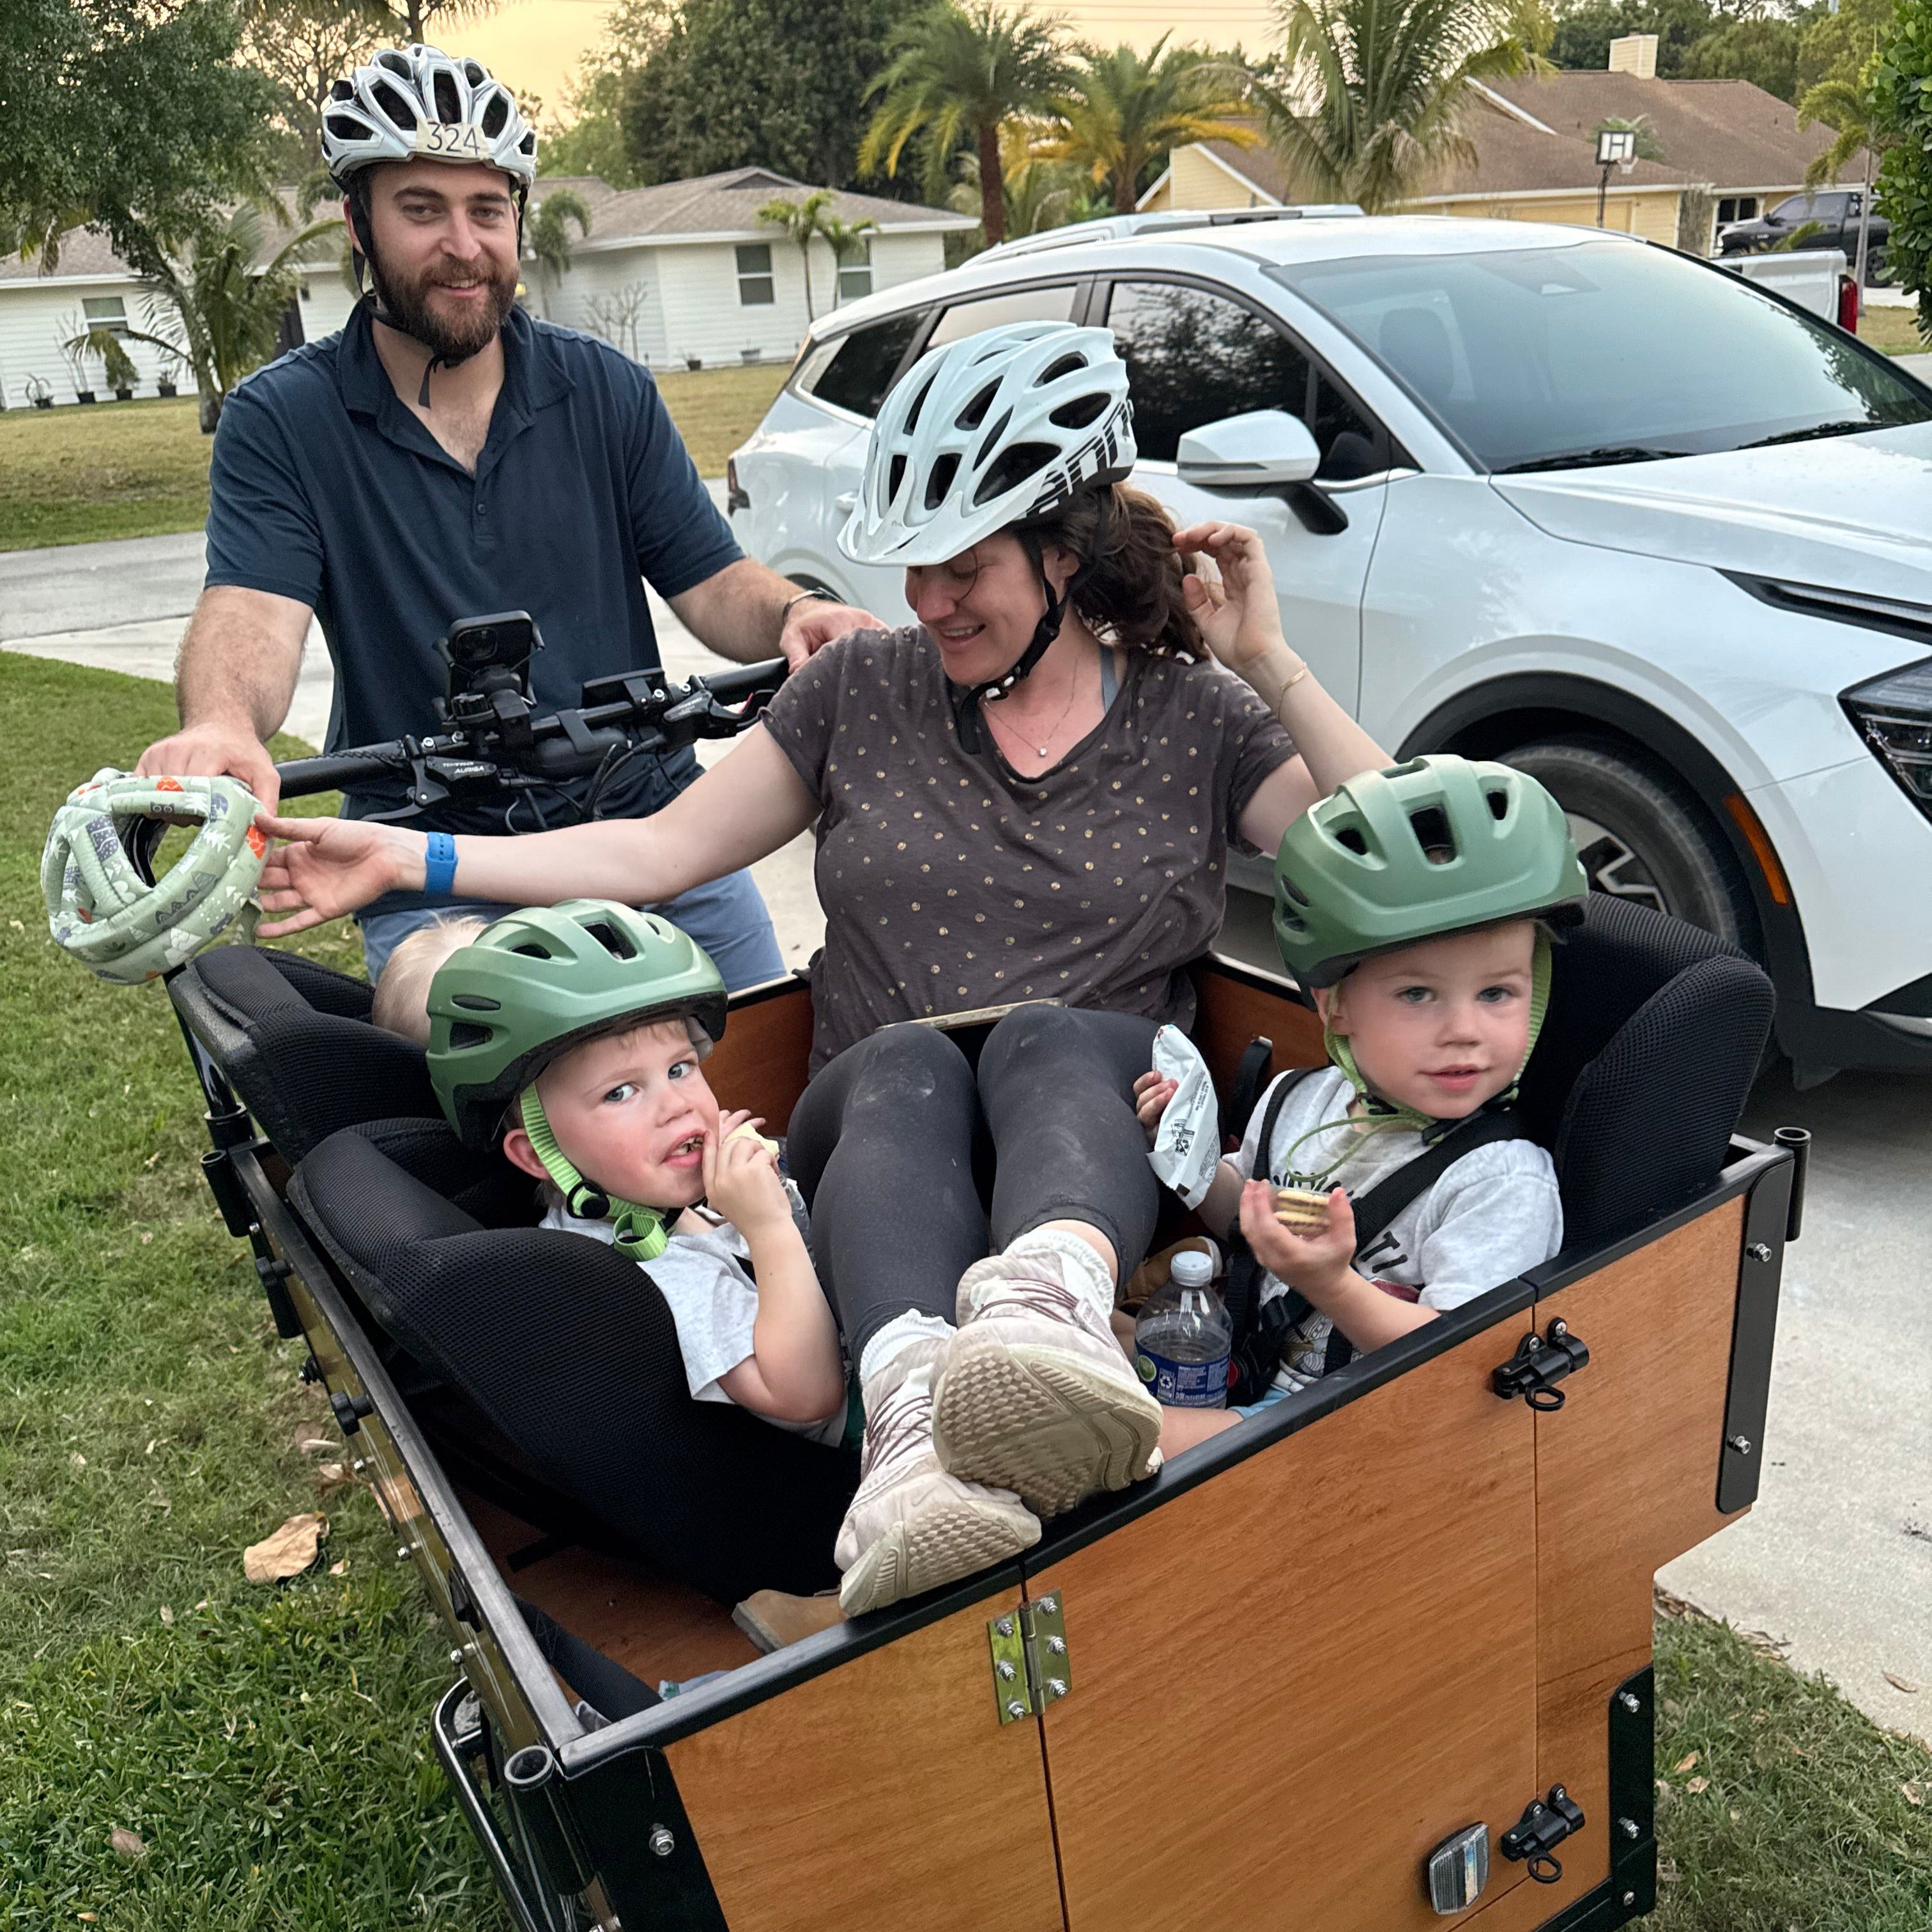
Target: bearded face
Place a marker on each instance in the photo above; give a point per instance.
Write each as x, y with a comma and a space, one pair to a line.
444, 254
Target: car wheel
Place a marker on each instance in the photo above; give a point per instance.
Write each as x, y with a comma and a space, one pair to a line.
1642, 835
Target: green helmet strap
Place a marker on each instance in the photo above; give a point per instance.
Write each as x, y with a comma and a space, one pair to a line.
641, 1234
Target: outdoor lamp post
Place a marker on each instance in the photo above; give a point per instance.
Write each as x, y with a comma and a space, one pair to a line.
1616, 148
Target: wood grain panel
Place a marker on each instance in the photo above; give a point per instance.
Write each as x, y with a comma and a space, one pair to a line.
1230, 1012
1626, 1479
883, 1796
1292, 1683
760, 1063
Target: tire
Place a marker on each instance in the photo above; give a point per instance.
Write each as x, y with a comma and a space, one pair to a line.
1642, 834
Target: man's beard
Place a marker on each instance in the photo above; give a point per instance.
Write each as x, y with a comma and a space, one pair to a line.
453, 339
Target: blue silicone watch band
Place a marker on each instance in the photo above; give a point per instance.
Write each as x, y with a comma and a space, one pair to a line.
439, 864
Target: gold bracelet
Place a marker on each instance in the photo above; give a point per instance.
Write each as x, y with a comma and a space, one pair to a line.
1285, 689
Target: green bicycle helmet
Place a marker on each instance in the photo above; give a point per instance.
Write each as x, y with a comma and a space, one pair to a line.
534, 984
104, 905
1437, 845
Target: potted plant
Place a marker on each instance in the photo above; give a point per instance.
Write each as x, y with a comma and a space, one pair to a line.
693, 362
104, 345
163, 387
40, 392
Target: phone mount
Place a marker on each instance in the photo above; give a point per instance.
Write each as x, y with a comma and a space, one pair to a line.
487, 663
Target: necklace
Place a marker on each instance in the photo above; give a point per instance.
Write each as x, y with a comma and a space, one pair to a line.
1072, 689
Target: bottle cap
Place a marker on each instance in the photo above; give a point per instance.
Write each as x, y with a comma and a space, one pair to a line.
1191, 1268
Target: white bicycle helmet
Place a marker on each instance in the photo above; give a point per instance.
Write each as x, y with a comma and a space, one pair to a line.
96, 874
417, 103
994, 430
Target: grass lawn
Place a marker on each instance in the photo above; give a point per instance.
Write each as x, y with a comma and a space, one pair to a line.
140, 469
1893, 331
268, 1744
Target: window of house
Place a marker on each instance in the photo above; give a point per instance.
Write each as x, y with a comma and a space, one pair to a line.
855, 272
1194, 357
1737, 208
755, 289
853, 372
108, 312
968, 318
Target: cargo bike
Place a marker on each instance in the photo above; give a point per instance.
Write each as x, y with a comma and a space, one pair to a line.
1378, 1658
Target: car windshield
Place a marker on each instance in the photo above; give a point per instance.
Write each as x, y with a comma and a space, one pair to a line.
1603, 353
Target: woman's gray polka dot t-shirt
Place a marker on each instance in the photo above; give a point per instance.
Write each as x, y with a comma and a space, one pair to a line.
949, 882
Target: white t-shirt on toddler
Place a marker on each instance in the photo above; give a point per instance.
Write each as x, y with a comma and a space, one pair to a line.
1488, 1217
714, 1305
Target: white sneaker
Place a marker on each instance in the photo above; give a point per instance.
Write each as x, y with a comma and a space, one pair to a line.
1036, 1395
911, 1526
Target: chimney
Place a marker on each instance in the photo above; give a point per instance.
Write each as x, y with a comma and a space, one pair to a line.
1635, 53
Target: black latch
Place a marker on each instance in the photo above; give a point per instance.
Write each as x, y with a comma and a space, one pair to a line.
349, 1411
1540, 1362
1546, 1822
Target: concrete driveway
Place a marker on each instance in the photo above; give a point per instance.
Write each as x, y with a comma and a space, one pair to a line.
1836, 1559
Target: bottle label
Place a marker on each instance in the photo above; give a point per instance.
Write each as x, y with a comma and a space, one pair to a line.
1184, 1385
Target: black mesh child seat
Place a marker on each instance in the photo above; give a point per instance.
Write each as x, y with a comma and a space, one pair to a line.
569, 1351
294, 1040
1654, 1035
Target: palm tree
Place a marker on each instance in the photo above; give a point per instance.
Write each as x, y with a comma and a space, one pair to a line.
1035, 193
216, 307
801, 220
547, 239
1649, 148
957, 73
1125, 108
845, 238
1377, 90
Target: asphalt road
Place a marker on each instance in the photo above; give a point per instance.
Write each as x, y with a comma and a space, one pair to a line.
1835, 1561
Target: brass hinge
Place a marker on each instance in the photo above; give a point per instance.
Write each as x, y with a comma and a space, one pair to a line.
1031, 1668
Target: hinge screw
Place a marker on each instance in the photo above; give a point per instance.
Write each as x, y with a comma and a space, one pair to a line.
1004, 1626
1050, 1605
1006, 1668
1630, 1700
661, 1842
1559, 1329
1056, 1687
1630, 1898
1741, 1444
456, 1656
1057, 1646
402, 1552
358, 1466
1629, 1828
1759, 1252
1015, 1708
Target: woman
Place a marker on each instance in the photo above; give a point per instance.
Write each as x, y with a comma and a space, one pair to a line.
1026, 797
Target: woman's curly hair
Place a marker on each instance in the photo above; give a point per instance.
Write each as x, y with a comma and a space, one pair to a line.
1133, 596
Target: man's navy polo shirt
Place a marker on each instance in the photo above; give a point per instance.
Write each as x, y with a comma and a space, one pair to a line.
326, 489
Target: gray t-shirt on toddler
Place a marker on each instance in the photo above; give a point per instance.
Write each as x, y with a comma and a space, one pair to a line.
1489, 1216
714, 1305
949, 883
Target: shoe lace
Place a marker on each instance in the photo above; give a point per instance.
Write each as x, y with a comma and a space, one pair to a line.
902, 1425
1038, 1294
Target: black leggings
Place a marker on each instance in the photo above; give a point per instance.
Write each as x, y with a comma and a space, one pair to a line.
892, 1139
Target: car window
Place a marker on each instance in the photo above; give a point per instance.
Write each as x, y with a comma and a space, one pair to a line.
853, 372
968, 318
1194, 357
1533, 356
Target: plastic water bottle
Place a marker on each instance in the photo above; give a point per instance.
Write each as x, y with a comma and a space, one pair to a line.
1184, 1337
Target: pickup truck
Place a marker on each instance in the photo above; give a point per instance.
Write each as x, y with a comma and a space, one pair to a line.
1814, 278
1837, 211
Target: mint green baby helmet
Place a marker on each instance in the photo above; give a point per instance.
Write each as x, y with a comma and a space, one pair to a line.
1437, 845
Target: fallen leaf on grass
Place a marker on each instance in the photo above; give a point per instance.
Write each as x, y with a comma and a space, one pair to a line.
88, 1918
1898, 1683
308, 1445
1696, 1785
128, 1844
167, 1617
331, 1475
339, 1569
78, 1461
1689, 1763
1915, 1793
286, 1553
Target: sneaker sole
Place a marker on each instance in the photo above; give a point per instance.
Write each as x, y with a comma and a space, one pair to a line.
938, 1546
1043, 1422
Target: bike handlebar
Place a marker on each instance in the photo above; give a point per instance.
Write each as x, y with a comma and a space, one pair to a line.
486, 754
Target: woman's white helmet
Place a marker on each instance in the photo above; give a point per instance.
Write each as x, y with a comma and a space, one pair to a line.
104, 905
990, 431
418, 104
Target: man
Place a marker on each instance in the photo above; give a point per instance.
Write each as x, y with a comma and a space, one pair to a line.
446, 456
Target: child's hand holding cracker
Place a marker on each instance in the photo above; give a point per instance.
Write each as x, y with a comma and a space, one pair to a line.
741, 1176
1318, 1263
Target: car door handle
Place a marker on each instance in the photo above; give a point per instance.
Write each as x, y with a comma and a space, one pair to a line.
848, 502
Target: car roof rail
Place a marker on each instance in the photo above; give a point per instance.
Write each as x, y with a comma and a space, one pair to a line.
1119, 227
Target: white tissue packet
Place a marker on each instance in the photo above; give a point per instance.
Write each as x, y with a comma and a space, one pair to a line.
1187, 1148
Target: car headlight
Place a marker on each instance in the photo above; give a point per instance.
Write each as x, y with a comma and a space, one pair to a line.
1893, 714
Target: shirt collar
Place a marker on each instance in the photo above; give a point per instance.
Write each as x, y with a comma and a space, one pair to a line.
533, 373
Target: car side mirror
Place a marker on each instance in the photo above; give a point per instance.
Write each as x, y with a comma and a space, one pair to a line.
1266, 452
1261, 450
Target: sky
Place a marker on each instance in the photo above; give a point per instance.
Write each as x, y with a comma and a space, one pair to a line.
534, 44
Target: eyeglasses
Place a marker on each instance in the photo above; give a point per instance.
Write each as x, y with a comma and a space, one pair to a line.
955, 577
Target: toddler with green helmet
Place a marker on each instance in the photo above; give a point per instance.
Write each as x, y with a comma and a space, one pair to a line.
574, 1034
1416, 904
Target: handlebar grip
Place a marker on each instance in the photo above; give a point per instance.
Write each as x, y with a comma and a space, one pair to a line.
726, 685
302, 777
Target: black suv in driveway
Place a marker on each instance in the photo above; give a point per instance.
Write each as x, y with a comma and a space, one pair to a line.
1835, 210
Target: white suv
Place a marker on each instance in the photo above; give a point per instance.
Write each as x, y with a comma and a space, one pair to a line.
1540, 492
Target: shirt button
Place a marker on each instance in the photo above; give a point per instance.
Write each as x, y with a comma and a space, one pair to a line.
482, 508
